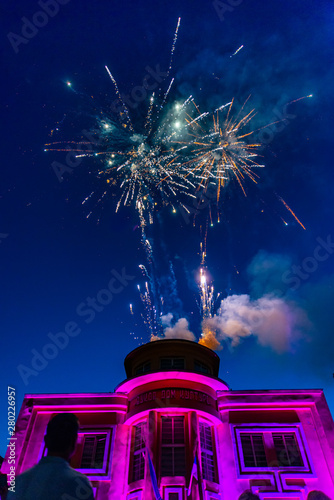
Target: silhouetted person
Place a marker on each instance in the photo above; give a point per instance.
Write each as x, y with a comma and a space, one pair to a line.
248, 495
317, 495
53, 478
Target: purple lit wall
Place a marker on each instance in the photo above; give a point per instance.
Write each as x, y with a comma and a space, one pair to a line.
278, 444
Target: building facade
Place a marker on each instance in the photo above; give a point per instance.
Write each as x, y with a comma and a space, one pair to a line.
205, 441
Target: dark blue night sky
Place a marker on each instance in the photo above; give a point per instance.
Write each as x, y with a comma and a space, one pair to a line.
53, 258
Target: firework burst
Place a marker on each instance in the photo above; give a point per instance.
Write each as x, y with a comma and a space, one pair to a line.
143, 167
175, 153
216, 148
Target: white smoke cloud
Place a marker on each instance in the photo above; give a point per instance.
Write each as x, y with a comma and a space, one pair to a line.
270, 316
166, 320
180, 330
274, 321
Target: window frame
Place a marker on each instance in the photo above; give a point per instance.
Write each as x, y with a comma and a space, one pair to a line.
284, 436
143, 368
138, 452
173, 445
173, 489
252, 436
271, 429
214, 449
172, 358
105, 471
95, 445
198, 367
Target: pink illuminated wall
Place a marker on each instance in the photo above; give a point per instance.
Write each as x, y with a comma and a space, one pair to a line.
297, 421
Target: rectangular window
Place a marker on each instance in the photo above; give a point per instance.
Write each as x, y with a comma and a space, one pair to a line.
207, 452
287, 450
173, 462
172, 364
273, 448
138, 459
173, 493
93, 451
253, 450
200, 367
143, 368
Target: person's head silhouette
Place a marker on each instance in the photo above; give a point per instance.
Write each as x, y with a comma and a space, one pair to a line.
317, 495
61, 435
248, 495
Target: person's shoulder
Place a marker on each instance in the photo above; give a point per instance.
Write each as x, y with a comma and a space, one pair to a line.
21, 480
76, 474
24, 476
74, 483
80, 483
